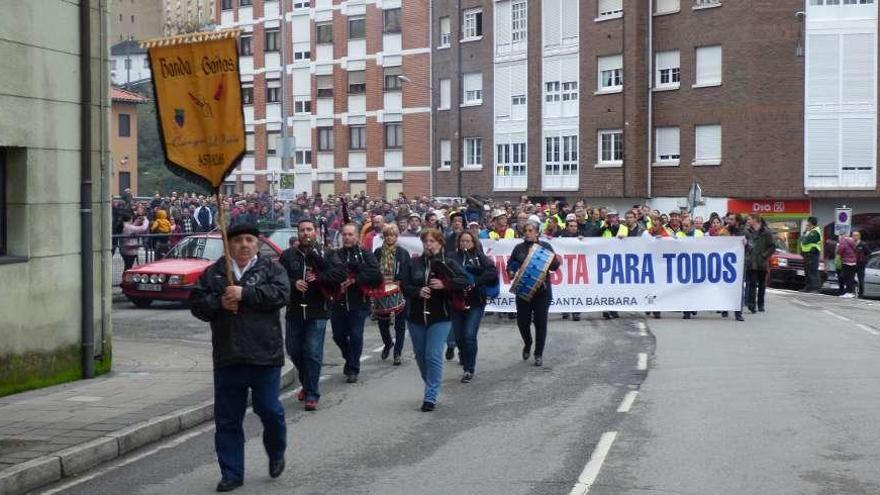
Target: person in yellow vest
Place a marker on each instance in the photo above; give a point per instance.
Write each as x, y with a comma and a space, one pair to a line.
613, 227
500, 229
688, 229
552, 211
673, 227
811, 249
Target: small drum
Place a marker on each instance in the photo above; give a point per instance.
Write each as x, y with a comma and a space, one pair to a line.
388, 301
532, 273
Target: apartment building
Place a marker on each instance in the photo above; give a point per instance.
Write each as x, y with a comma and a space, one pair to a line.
135, 20
187, 16
346, 82
619, 101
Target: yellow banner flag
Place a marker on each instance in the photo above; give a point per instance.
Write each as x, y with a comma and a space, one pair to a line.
198, 99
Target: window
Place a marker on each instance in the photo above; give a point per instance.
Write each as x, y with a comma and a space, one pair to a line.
394, 135
132, 19
445, 153
610, 8
124, 125
560, 159
273, 139
569, 91
356, 83
666, 146
473, 88
325, 139
324, 33
667, 6
226, 5
325, 86
356, 28
551, 91
510, 159
611, 73
113, 64
668, 71
708, 66
518, 100
473, 152
247, 94
391, 20
301, 5
445, 94
611, 147
2, 202
472, 27
708, 145
249, 144
357, 137
303, 157
273, 40
246, 46
301, 53
392, 79
302, 106
128, 63
518, 21
245, 3
445, 32
273, 91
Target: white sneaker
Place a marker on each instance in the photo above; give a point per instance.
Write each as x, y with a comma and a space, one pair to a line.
848, 295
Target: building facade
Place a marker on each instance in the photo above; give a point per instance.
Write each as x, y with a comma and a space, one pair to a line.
124, 140
42, 228
346, 83
135, 20
618, 102
129, 63
187, 16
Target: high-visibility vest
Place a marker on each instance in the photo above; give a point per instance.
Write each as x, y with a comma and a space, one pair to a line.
682, 234
817, 246
508, 234
622, 231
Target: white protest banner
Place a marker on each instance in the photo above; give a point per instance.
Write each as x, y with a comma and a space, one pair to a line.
633, 274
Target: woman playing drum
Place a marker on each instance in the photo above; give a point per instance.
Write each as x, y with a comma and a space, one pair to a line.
428, 289
394, 262
537, 308
466, 323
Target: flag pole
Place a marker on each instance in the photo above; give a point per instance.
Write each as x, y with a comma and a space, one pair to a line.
221, 219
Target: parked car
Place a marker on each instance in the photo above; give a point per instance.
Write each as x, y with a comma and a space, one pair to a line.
868, 224
173, 277
872, 276
787, 269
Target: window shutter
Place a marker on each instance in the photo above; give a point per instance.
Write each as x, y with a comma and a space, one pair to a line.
473, 81
356, 77
502, 27
502, 91
445, 93
445, 25
519, 79
610, 62
823, 77
858, 134
667, 5
708, 139
608, 6
858, 68
668, 60
570, 23
823, 147
709, 65
570, 69
667, 141
445, 152
552, 16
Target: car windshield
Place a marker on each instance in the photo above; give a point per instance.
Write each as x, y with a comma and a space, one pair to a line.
781, 246
208, 248
281, 237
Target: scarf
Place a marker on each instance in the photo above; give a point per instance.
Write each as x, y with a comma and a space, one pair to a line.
388, 261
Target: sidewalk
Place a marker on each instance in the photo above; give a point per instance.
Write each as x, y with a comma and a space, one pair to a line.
156, 389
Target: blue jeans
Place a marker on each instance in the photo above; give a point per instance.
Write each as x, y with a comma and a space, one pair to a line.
466, 324
429, 342
231, 384
305, 344
348, 333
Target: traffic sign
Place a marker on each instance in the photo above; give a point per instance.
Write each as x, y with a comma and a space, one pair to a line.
842, 221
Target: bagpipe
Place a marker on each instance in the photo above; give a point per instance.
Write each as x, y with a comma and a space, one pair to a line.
532, 272
460, 298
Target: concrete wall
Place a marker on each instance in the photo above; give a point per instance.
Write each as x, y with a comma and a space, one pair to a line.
40, 132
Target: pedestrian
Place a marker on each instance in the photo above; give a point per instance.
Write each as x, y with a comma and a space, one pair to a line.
394, 263
734, 228
863, 252
846, 249
537, 309
204, 217
314, 273
352, 303
483, 277
811, 249
761, 248
428, 288
131, 240
161, 230
248, 350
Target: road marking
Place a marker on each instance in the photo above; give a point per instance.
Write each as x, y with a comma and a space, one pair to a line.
628, 400
801, 303
868, 329
643, 361
832, 313
861, 326
643, 328
594, 465
364, 358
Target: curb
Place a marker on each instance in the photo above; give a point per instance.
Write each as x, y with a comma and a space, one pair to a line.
51, 468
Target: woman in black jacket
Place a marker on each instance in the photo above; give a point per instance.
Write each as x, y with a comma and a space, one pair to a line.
537, 309
482, 274
394, 264
429, 290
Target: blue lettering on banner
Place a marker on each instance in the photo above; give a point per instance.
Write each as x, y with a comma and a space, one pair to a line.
730, 267
698, 268
626, 268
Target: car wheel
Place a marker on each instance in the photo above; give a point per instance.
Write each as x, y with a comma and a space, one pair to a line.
141, 302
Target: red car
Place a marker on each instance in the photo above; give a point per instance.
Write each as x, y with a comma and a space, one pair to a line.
787, 269
172, 278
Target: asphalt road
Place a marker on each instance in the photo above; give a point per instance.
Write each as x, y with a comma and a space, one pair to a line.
785, 403
516, 429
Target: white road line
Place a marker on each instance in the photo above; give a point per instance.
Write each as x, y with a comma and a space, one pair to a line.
643, 361
628, 400
591, 470
378, 349
868, 329
861, 326
801, 303
364, 358
832, 313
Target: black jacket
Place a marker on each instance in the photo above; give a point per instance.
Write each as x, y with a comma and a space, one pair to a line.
483, 271
315, 302
518, 256
363, 265
253, 336
402, 262
438, 307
